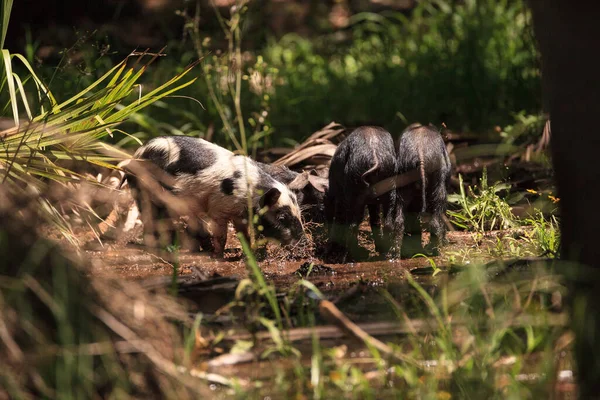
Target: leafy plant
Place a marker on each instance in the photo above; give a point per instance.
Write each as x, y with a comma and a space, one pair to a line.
545, 235
526, 128
468, 64
431, 261
55, 135
482, 209
72, 129
481, 52
508, 247
4, 20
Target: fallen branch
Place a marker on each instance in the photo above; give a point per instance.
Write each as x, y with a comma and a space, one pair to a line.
297, 156
390, 328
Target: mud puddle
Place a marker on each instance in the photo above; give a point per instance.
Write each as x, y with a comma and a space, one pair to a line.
137, 262
210, 284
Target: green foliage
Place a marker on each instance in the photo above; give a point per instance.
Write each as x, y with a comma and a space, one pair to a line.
71, 130
259, 296
526, 128
56, 136
468, 64
482, 209
475, 338
4, 20
435, 269
545, 235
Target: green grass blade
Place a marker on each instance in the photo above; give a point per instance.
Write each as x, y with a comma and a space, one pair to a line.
119, 67
40, 85
11, 85
23, 96
6, 9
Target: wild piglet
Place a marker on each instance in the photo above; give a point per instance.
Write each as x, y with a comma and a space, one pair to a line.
364, 158
216, 185
422, 148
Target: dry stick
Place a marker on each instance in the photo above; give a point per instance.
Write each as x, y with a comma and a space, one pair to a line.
327, 132
488, 301
387, 328
332, 313
14, 351
518, 304
449, 225
531, 292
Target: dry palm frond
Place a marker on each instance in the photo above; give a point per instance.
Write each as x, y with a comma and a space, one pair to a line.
317, 149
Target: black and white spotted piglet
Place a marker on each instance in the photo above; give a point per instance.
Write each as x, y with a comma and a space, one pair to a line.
216, 184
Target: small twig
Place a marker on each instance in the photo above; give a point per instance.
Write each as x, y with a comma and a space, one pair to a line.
518, 304
147, 53
331, 312
353, 290
488, 301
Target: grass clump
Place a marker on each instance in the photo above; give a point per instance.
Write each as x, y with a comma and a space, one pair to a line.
489, 333
545, 235
482, 209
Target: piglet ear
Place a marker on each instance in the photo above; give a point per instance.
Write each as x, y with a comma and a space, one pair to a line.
299, 182
321, 184
270, 198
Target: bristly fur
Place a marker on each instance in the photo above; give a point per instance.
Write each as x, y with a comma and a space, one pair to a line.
366, 157
422, 147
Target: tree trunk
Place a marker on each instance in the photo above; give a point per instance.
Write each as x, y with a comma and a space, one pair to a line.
569, 38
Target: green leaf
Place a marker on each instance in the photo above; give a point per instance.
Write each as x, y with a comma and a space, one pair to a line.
6, 9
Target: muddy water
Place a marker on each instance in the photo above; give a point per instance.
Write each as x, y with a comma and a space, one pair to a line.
154, 268
136, 262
